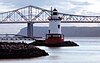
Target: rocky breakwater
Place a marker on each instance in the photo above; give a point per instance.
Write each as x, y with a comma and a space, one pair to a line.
19, 50
62, 44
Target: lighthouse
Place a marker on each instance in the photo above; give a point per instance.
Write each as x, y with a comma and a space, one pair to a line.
54, 32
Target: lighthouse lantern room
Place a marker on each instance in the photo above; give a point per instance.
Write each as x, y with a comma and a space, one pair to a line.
54, 36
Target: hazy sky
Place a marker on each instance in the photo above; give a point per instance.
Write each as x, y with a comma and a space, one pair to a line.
77, 7
84, 7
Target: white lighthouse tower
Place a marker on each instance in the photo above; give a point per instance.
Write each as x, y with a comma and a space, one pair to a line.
54, 35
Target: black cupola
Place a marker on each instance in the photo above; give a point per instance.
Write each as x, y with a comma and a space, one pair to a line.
55, 12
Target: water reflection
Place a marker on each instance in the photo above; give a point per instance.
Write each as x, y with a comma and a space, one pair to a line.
87, 52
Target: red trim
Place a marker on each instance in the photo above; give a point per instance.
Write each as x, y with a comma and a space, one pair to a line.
54, 38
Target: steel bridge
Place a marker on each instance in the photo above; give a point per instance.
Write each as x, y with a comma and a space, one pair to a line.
32, 14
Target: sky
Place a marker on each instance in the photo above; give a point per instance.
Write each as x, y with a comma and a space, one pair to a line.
76, 7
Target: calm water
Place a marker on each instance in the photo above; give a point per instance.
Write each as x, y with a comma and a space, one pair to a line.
87, 52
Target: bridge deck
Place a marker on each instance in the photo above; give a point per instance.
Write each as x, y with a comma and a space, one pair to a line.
48, 22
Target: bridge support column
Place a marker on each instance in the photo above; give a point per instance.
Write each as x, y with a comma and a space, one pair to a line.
30, 29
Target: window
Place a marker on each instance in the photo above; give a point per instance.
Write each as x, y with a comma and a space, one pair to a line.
49, 31
58, 26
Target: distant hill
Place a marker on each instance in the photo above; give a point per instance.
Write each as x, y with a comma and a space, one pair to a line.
67, 31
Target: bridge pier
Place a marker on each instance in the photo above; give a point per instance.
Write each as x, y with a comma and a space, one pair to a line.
30, 29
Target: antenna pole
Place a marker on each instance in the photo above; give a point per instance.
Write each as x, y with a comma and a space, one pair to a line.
51, 12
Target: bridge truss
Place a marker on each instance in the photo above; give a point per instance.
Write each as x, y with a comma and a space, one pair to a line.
33, 14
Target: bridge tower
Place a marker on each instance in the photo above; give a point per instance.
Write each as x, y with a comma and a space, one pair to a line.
30, 24
30, 29
54, 35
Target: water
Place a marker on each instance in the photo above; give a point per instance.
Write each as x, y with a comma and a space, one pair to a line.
87, 52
